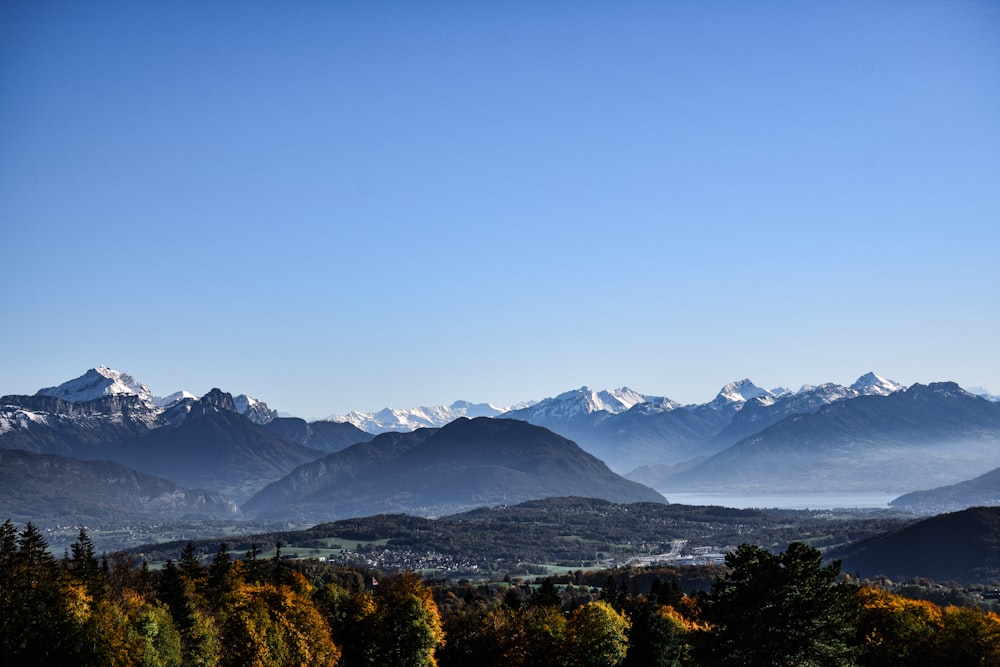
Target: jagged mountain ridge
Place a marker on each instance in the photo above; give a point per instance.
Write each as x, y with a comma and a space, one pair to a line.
202, 443
102, 381
893, 443
429, 472
661, 431
410, 419
626, 429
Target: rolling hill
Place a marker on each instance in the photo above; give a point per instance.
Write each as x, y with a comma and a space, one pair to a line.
961, 546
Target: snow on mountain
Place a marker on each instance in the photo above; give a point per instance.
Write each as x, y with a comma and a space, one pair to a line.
984, 393
410, 419
732, 397
655, 406
95, 383
583, 401
871, 384
17, 419
254, 410
173, 399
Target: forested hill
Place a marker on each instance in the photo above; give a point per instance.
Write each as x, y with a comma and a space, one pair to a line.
960, 546
572, 532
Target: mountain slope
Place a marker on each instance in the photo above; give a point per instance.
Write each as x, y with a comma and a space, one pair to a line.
961, 546
935, 433
465, 464
326, 436
97, 383
410, 419
215, 448
981, 491
45, 489
51, 425
203, 443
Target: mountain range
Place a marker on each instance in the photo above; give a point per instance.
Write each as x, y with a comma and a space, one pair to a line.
873, 435
922, 436
238, 446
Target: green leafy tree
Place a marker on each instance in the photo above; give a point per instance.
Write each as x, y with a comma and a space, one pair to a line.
544, 631
351, 615
780, 610
407, 624
597, 636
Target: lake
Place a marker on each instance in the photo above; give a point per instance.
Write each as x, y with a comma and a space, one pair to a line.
797, 501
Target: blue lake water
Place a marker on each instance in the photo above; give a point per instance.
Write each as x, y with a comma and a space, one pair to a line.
796, 501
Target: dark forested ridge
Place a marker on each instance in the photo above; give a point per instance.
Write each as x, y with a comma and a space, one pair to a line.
567, 532
960, 546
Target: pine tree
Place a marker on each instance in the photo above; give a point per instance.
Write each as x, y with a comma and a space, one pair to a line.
780, 610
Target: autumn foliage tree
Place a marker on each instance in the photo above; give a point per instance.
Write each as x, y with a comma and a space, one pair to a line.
768, 609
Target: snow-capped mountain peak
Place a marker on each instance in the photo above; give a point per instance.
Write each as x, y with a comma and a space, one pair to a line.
254, 410
587, 400
741, 392
734, 395
98, 382
410, 419
871, 384
173, 399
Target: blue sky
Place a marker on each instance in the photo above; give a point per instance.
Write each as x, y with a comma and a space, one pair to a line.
348, 205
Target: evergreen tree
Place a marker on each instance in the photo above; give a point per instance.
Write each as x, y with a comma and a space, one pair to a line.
656, 639
780, 610
84, 566
190, 564
546, 595
39, 630
8, 579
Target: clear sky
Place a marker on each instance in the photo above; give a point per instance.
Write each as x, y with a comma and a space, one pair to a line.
340, 206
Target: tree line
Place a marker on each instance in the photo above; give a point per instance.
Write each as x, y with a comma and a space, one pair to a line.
766, 609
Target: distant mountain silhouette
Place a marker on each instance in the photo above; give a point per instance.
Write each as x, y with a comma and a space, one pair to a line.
45, 488
962, 546
981, 491
202, 443
928, 434
431, 472
326, 436
216, 448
